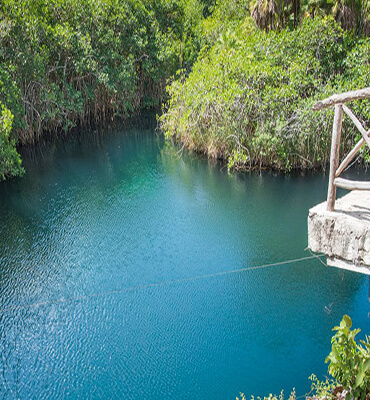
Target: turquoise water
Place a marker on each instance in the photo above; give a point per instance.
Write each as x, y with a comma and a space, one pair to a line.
99, 218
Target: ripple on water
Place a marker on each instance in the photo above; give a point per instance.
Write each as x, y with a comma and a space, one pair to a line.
121, 213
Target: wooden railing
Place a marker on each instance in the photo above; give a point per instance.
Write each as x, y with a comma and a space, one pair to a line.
338, 101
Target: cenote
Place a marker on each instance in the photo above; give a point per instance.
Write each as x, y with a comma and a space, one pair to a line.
111, 249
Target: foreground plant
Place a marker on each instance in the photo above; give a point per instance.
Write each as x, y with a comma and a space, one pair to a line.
349, 361
271, 396
349, 367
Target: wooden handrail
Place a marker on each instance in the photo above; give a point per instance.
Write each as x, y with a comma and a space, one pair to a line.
357, 124
334, 156
351, 185
342, 98
350, 156
338, 101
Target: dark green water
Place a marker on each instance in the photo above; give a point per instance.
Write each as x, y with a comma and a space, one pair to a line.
99, 219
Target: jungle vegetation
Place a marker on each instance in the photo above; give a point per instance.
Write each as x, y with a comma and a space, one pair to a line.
67, 63
241, 74
249, 97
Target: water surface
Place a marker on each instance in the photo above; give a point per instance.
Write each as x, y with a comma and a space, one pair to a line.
99, 219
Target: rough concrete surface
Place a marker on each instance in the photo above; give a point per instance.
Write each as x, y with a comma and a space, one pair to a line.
343, 235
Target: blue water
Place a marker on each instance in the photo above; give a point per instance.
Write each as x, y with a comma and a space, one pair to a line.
99, 218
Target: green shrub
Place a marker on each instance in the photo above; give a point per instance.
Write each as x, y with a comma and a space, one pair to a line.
349, 361
349, 367
322, 389
73, 62
249, 97
10, 162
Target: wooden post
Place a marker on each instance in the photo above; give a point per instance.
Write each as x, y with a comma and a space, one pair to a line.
334, 155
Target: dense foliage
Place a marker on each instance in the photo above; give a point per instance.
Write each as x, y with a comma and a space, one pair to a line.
72, 62
249, 96
250, 70
10, 162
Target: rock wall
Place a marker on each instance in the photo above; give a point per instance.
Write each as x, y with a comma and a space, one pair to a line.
343, 235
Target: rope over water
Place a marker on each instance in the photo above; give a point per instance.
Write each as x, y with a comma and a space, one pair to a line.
156, 284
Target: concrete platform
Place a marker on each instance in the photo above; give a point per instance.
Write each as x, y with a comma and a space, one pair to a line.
343, 235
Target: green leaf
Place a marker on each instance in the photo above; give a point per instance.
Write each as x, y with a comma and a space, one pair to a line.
359, 379
367, 365
347, 319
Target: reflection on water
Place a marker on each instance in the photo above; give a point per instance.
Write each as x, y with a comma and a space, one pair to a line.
97, 214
